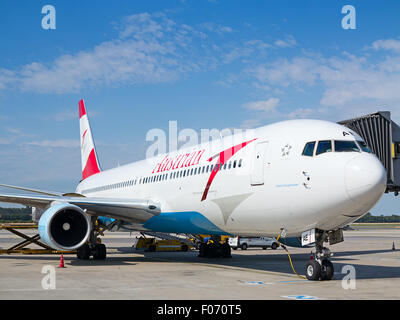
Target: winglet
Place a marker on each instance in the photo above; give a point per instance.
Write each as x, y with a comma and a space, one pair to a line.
90, 163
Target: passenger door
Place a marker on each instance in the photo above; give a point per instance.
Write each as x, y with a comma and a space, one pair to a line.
259, 163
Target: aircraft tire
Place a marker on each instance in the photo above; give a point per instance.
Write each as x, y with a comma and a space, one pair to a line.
83, 253
313, 270
202, 250
226, 250
327, 270
99, 252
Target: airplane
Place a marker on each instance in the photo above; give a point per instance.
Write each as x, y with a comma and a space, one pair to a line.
296, 179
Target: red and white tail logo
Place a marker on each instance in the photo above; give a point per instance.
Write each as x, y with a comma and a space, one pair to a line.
90, 163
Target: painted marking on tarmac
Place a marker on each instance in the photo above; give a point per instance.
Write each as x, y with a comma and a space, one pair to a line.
258, 282
293, 281
301, 297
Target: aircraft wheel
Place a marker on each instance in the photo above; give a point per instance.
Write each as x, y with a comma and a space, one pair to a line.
327, 270
212, 251
83, 253
99, 252
313, 270
202, 250
226, 250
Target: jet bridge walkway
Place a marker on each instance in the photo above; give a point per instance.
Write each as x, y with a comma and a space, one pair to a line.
382, 135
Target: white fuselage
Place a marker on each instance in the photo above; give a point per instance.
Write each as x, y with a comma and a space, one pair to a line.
275, 186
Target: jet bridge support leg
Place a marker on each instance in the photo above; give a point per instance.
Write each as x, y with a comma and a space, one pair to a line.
320, 267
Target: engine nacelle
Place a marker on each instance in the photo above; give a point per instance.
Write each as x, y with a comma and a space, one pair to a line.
64, 226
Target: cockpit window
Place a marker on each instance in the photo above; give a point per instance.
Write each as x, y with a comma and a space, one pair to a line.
346, 146
309, 149
364, 146
324, 146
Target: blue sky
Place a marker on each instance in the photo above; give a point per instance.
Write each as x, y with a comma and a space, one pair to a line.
206, 64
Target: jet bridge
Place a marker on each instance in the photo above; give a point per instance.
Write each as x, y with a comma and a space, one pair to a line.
382, 135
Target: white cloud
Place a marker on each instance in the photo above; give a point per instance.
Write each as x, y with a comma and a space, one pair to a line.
300, 113
388, 44
5, 141
341, 80
219, 29
61, 143
288, 42
245, 50
284, 72
263, 105
149, 49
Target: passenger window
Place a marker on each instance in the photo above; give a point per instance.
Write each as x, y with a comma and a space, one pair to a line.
309, 149
324, 146
345, 146
225, 166
229, 165
234, 164
240, 163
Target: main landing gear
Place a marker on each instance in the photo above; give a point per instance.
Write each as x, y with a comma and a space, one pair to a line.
94, 247
320, 267
215, 249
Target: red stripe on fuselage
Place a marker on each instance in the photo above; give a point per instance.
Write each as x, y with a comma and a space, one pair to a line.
224, 156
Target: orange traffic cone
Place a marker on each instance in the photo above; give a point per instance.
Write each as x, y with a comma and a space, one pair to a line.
393, 248
61, 262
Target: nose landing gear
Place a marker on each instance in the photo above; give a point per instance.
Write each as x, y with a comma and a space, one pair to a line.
320, 267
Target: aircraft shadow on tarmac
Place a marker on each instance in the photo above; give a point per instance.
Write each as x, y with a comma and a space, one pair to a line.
280, 262
277, 262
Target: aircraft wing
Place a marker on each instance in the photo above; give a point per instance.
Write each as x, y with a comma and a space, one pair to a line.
133, 210
49, 193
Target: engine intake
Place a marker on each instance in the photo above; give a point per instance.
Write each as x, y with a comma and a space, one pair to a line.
64, 226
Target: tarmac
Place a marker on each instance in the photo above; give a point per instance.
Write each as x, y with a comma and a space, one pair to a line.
365, 265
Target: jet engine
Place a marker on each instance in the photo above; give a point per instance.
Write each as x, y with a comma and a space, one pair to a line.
64, 226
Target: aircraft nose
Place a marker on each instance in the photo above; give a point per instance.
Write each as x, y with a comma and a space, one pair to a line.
365, 179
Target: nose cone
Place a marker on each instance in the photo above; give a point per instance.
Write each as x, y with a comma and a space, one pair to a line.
365, 179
